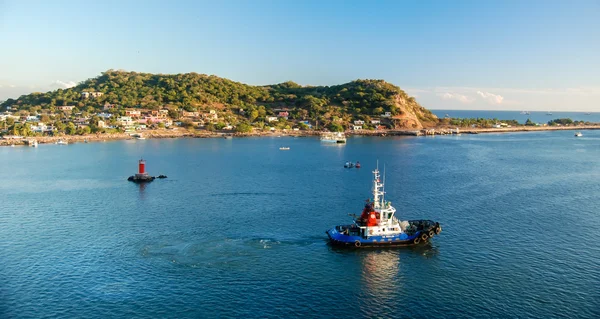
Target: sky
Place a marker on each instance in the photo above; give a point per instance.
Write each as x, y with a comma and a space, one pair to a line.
481, 55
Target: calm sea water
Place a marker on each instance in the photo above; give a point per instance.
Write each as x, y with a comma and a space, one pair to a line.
237, 230
537, 117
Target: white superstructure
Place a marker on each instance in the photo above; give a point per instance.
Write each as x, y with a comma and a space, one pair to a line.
385, 222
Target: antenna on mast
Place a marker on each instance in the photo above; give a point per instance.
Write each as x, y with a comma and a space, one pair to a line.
383, 188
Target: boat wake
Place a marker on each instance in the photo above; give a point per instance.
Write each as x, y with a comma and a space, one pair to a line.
248, 194
230, 252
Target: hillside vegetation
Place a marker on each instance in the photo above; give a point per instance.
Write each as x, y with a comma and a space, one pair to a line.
329, 105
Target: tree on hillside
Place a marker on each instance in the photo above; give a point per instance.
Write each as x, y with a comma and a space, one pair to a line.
253, 116
335, 127
70, 129
243, 128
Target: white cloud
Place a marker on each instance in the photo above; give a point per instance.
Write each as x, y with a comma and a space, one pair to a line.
455, 96
12, 86
61, 84
492, 98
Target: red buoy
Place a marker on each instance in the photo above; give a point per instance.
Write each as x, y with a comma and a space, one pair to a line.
142, 166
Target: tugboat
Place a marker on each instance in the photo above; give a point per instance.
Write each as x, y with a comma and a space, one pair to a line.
377, 226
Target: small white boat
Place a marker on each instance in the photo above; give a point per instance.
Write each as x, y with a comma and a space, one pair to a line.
141, 138
578, 134
61, 142
284, 148
333, 137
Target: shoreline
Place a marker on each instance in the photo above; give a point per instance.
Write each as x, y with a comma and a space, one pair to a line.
183, 133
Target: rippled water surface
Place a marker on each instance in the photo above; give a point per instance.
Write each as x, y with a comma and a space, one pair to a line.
237, 230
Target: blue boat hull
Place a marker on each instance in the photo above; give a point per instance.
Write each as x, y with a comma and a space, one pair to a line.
340, 238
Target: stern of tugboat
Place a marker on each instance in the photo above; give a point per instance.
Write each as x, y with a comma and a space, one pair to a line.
345, 235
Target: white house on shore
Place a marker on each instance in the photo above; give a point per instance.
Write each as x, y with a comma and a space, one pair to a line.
125, 121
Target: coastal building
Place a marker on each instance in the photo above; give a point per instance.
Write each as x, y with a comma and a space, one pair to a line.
87, 95
357, 127
359, 122
65, 108
160, 113
108, 106
210, 116
271, 119
148, 120
386, 114
101, 124
375, 121
104, 115
307, 123
283, 114
133, 113
125, 121
81, 121
190, 114
39, 128
32, 118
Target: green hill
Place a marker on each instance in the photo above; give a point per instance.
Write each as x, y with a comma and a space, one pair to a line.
360, 99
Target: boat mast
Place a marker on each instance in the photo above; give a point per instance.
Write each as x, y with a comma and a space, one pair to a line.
376, 189
383, 189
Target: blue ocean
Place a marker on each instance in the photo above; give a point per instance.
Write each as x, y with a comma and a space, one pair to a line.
237, 230
536, 117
